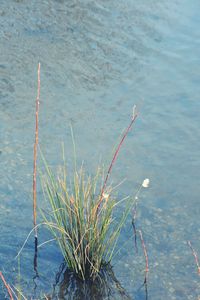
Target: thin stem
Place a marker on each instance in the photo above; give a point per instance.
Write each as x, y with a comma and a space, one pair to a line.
195, 257
135, 234
115, 157
145, 255
6, 286
35, 155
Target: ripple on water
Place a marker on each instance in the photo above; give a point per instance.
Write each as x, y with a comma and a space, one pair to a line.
98, 58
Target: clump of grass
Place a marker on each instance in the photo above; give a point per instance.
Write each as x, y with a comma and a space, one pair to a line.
82, 216
85, 234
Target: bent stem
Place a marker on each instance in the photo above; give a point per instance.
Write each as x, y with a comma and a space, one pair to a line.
195, 257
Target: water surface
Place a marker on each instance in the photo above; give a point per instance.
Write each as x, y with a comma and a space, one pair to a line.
98, 58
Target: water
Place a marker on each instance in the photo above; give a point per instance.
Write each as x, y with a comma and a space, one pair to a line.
98, 58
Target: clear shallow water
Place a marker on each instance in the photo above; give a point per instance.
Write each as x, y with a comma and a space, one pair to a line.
98, 58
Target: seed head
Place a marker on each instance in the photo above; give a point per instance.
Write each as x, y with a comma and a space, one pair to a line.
145, 183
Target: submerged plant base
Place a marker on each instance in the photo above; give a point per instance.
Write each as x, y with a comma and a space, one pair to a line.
105, 286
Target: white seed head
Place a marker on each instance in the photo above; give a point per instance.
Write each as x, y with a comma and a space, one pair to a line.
145, 183
105, 196
134, 111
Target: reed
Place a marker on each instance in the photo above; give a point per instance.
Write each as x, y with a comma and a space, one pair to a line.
37, 102
35, 156
134, 116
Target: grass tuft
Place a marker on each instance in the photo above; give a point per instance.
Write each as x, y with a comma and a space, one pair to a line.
87, 239
82, 214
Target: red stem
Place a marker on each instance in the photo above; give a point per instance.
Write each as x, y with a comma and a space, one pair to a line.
115, 157
6, 286
35, 154
145, 255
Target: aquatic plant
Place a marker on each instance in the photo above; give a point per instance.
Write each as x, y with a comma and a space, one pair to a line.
86, 237
37, 102
82, 216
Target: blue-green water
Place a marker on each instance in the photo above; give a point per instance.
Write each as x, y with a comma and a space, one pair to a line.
98, 59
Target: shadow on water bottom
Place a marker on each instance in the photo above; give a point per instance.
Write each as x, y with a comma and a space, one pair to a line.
105, 286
